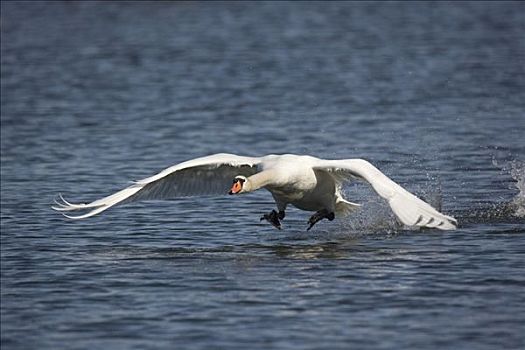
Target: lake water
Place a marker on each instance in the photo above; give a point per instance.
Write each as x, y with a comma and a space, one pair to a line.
94, 95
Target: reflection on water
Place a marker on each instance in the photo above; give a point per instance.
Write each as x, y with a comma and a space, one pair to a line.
329, 250
304, 251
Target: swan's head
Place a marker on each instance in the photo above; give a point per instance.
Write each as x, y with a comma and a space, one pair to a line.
238, 185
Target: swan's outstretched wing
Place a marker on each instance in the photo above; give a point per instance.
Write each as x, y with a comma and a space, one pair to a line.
411, 210
207, 175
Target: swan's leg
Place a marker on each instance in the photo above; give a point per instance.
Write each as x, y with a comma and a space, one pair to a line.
274, 218
318, 216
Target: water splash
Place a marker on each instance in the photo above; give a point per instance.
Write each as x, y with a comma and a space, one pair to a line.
517, 171
512, 210
375, 215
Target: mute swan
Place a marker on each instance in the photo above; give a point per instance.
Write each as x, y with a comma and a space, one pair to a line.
306, 182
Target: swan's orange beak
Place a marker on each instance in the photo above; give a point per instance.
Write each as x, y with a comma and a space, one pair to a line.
236, 188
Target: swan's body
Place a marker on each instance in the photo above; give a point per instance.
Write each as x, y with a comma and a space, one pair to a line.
306, 182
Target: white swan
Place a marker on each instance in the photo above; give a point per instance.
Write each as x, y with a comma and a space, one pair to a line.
306, 182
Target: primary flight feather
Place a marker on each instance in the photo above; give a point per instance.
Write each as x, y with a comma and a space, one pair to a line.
306, 182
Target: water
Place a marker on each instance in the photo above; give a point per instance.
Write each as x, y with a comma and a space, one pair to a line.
97, 94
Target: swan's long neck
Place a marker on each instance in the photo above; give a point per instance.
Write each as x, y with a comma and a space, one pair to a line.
260, 180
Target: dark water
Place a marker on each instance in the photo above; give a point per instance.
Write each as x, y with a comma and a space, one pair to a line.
97, 94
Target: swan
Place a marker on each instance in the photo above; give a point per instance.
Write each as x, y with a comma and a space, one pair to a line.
306, 182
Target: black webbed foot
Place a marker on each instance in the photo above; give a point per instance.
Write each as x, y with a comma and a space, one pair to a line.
318, 216
273, 218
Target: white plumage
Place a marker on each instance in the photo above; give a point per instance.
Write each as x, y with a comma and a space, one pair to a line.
305, 182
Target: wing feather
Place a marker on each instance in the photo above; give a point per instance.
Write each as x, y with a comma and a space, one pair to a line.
201, 176
411, 210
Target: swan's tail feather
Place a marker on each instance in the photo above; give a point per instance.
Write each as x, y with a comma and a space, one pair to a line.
344, 207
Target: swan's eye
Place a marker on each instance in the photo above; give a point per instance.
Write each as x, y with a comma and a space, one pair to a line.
237, 186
